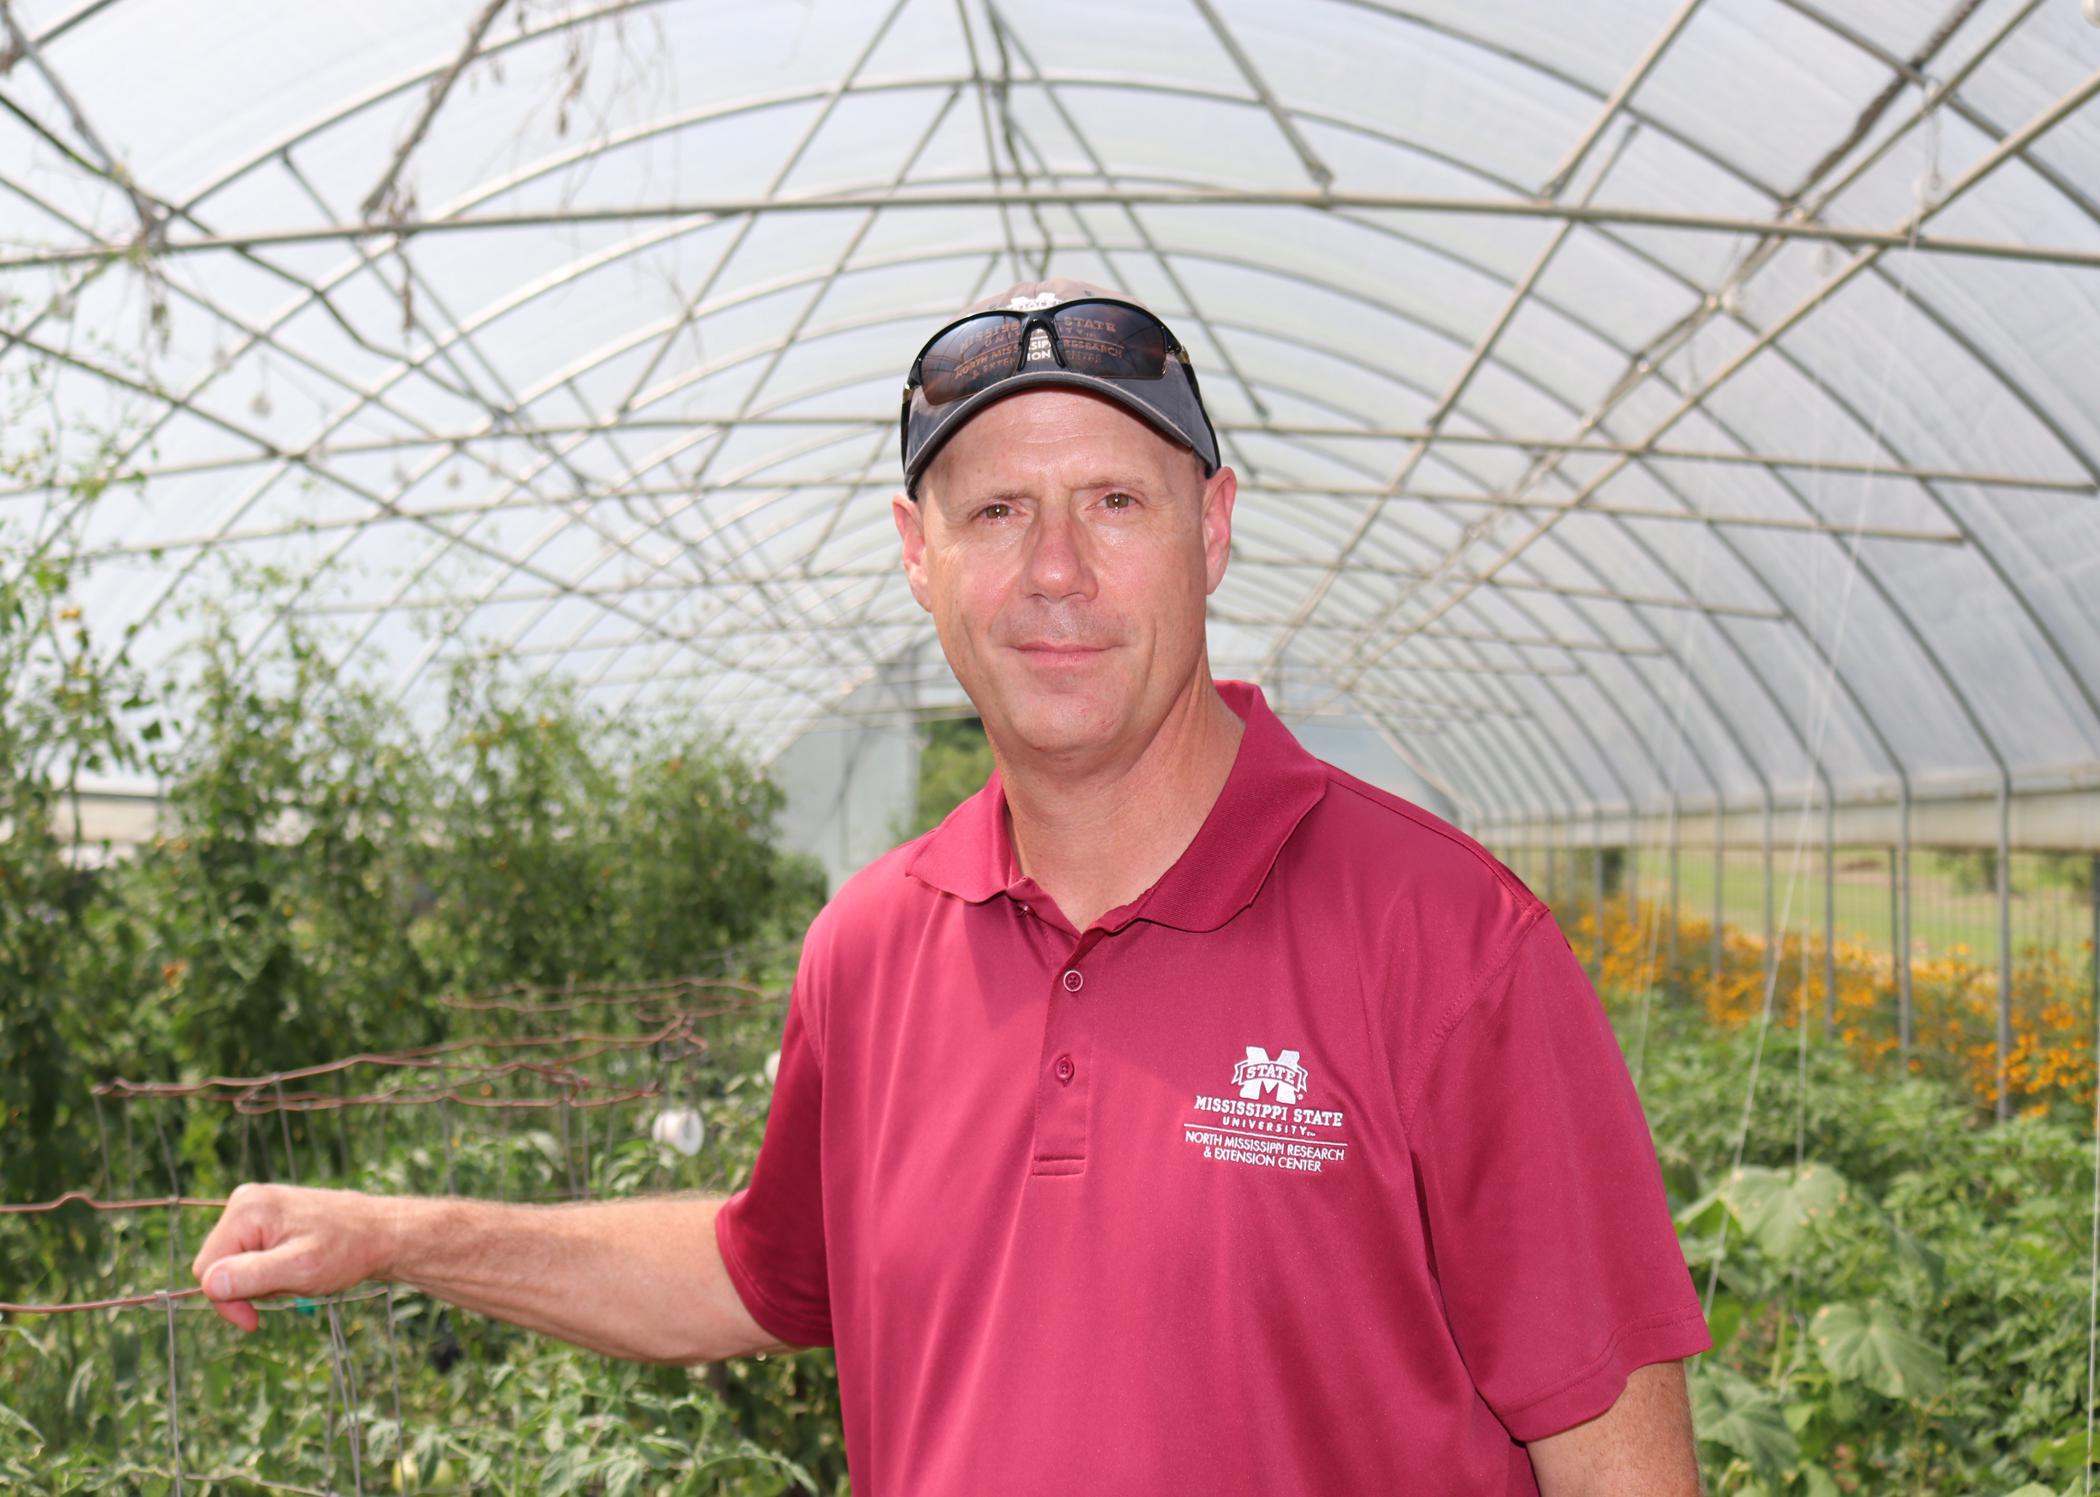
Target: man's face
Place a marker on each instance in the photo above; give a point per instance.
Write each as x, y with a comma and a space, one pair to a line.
1065, 550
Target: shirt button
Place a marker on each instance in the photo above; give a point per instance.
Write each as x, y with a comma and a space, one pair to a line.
1073, 981
1065, 1070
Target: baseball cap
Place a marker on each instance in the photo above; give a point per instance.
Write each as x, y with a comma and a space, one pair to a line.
1058, 333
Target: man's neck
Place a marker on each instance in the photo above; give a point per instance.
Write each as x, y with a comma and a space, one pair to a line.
1097, 837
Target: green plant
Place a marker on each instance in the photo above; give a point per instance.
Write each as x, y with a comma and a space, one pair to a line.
279, 891
1898, 1289
955, 759
58, 938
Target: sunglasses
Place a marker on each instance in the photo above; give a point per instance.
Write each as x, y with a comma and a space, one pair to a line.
1107, 339
1094, 338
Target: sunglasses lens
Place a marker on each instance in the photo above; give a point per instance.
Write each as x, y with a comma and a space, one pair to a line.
968, 357
1097, 338
1114, 342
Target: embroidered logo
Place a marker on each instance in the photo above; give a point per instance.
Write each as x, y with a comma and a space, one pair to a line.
1035, 303
1266, 1125
1257, 1073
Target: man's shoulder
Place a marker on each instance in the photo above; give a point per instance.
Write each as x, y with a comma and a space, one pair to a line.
1406, 848
1443, 914
872, 900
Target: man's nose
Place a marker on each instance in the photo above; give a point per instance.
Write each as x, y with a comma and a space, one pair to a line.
1058, 565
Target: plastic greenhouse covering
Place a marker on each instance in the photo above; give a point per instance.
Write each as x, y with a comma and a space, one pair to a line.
1638, 403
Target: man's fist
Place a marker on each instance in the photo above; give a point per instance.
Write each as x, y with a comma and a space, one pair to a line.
288, 1239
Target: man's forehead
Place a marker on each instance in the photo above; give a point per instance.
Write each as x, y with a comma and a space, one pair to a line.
1080, 433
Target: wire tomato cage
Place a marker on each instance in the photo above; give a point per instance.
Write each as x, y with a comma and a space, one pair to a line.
564, 1093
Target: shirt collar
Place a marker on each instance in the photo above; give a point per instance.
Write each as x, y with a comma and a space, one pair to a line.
1272, 784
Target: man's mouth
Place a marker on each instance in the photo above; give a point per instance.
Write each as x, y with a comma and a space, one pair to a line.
1058, 652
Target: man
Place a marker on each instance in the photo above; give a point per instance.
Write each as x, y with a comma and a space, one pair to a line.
1181, 1115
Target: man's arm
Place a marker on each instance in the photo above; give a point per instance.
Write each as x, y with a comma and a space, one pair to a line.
1642, 1443
641, 1279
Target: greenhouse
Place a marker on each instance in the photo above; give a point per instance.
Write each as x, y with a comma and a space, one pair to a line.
453, 640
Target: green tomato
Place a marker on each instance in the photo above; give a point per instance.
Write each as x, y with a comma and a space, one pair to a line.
408, 1476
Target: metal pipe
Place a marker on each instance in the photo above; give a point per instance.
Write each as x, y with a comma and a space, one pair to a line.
1546, 836
1829, 912
1771, 935
1315, 168
391, 232
2093, 890
1905, 1015
2004, 1108
1630, 866
1720, 872
1895, 945
1526, 441
1597, 888
1483, 349
2007, 148
1670, 931
1628, 85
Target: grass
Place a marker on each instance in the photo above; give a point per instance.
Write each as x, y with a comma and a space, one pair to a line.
1948, 915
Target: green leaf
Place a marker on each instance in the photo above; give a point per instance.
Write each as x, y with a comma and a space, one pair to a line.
1702, 1217
1819, 1482
2032, 1489
1868, 1344
2065, 1453
9, 1417
80, 1391
1725, 1319
1775, 1207
1731, 1411
623, 1474
563, 1471
1916, 1254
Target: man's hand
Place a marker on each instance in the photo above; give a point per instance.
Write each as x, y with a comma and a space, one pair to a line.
1642, 1443
287, 1239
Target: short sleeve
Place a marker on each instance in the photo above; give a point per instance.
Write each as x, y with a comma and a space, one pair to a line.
1549, 1233
772, 1232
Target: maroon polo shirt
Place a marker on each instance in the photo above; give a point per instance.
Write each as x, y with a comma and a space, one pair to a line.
1313, 1169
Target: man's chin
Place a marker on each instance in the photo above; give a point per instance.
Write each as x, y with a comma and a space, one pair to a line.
1063, 723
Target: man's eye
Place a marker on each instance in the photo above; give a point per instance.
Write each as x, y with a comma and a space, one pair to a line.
1118, 501
995, 512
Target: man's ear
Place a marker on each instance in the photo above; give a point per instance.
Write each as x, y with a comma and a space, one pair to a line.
911, 530
1219, 491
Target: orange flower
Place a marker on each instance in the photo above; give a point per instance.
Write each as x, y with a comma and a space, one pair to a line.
1954, 997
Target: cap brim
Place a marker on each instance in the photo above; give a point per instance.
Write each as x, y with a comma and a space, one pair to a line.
1120, 393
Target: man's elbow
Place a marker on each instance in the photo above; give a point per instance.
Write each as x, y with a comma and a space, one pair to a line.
718, 1328
691, 1351
762, 1349
1642, 1443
